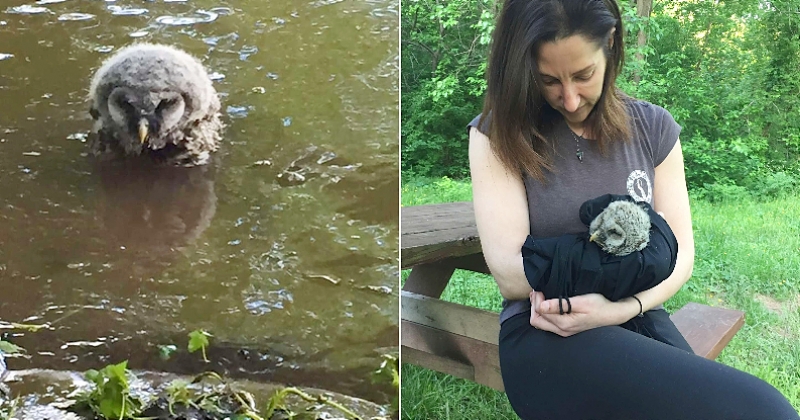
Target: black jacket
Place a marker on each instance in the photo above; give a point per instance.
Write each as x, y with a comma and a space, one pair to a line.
570, 265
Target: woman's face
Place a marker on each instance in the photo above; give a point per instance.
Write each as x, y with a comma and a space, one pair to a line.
572, 71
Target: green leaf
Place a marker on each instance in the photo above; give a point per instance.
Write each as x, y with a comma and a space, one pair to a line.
10, 348
165, 351
198, 339
110, 397
92, 375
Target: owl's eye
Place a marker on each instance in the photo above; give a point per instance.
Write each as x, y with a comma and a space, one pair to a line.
165, 104
126, 104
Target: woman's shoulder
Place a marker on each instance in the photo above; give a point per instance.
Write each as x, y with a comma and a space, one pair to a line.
647, 113
646, 110
482, 126
655, 126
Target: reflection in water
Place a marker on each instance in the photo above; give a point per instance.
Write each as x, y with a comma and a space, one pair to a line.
150, 210
285, 249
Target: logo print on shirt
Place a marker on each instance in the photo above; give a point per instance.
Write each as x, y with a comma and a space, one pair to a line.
639, 186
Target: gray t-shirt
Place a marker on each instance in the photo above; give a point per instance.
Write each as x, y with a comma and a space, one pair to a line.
627, 168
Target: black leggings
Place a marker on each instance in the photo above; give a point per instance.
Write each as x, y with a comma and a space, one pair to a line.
626, 372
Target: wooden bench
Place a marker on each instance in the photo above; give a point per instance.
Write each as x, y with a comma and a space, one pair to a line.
461, 340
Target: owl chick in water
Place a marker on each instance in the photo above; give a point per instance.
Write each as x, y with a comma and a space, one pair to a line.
623, 227
155, 100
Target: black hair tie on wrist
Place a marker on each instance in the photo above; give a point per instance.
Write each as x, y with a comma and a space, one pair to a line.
561, 307
641, 308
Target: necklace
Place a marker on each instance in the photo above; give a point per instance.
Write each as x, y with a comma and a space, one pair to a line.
578, 151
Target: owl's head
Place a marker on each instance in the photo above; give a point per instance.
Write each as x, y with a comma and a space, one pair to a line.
141, 116
623, 227
145, 93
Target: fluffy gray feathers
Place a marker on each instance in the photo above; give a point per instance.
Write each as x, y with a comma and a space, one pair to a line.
155, 100
623, 227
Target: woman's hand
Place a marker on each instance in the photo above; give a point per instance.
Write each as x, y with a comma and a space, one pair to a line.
588, 311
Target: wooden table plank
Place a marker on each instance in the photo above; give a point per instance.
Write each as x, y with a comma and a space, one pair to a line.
707, 329
459, 319
437, 231
461, 352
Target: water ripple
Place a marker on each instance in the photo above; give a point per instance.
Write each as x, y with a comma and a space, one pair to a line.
207, 17
247, 51
27, 9
381, 13
222, 11
75, 16
126, 11
238, 111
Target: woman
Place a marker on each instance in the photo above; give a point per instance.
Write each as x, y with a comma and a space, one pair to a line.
555, 132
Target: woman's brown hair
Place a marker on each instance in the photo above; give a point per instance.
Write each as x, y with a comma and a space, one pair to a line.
519, 112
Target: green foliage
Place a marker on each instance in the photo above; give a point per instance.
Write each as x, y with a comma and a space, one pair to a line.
8, 407
198, 340
726, 71
166, 351
110, 397
277, 403
8, 348
421, 191
389, 372
724, 193
444, 61
178, 393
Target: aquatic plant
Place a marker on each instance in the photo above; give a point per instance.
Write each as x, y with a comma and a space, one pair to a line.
9, 349
8, 407
110, 397
277, 403
388, 372
198, 340
178, 393
165, 351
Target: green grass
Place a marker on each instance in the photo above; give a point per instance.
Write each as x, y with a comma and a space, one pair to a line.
747, 258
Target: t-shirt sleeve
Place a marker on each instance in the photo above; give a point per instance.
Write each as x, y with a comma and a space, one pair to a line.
483, 128
666, 137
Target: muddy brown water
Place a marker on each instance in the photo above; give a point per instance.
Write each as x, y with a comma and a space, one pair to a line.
285, 249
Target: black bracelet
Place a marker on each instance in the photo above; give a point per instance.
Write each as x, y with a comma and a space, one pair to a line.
641, 308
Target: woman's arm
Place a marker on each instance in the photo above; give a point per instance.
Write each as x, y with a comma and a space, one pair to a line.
501, 215
671, 199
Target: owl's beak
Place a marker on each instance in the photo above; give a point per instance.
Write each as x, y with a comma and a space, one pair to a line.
144, 128
593, 237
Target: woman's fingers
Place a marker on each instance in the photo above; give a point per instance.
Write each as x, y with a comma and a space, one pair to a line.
539, 322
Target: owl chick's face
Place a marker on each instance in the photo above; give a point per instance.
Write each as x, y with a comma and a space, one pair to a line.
623, 227
142, 118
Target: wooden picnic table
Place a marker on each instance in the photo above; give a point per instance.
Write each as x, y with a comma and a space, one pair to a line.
461, 340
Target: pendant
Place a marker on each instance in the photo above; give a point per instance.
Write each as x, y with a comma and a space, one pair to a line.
579, 154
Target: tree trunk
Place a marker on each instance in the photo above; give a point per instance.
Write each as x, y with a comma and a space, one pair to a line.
643, 10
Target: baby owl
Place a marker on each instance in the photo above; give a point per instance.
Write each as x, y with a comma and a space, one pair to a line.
623, 227
154, 100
